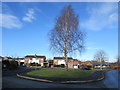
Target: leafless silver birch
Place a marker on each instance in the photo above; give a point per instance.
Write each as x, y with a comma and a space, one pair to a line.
66, 37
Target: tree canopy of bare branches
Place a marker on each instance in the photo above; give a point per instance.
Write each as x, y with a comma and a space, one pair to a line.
66, 37
100, 56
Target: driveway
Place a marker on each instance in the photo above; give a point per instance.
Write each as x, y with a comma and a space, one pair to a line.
10, 80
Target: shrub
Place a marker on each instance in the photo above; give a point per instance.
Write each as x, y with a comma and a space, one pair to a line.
13, 64
62, 65
56, 65
38, 64
6, 63
28, 65
33, 64
89, 67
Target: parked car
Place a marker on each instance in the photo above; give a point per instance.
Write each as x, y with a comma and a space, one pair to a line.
86, 68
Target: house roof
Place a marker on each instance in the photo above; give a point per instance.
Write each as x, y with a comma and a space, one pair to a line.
75, 60
62, 58
96, 64
34, 56
104, 64
84, 62
9, 57
18, 58
6, 58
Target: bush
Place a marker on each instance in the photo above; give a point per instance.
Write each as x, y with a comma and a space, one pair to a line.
56, 65
33, 64
28, 65
6, 63
38, 64
13, 64
62, 65
89, 67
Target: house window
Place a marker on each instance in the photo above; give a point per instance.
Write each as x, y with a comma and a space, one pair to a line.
74, 64
30, 58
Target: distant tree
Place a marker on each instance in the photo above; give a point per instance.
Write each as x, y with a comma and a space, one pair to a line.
66, 37
101, 57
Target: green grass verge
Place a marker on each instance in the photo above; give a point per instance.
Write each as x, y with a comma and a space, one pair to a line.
62, 73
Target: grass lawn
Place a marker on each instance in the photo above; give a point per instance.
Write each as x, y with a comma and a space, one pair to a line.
62, 73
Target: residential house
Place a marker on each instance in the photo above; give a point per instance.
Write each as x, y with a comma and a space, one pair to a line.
46, 63
74, 64
8, 58
50, 63
86, 64
114, 65
20, 61
30, 59
60, 60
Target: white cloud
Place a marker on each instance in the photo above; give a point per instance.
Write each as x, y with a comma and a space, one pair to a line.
101, 17
91, 48
113, 17
9, 21
29, 15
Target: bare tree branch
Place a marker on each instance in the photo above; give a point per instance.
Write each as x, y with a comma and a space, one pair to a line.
66, 37
101, 56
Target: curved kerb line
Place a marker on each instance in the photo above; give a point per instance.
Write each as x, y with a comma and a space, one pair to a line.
60, 82
34, 78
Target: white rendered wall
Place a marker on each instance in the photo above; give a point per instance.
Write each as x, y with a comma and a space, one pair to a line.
61, 62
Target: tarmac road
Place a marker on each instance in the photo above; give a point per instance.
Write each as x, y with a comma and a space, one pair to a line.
112, 79
10, 80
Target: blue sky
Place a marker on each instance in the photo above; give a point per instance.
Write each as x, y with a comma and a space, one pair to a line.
25, 27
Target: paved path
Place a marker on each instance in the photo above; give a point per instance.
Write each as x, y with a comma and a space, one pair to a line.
112, 79
10, 80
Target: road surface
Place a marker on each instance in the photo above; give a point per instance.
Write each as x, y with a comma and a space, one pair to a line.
10, 80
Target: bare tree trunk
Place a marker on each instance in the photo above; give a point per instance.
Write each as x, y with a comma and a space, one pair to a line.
100, 64
66, 27
66, 63
66, 59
